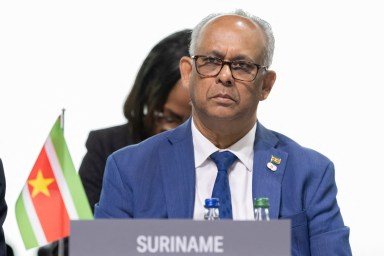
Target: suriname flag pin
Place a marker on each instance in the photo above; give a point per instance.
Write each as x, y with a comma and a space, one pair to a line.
275, 159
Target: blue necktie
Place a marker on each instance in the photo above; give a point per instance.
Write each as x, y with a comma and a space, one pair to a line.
221, 190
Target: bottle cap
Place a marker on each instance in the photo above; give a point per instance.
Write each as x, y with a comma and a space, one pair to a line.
261, 202
211, 203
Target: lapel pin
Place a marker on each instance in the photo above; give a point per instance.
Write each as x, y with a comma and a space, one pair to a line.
275, 160
271, 166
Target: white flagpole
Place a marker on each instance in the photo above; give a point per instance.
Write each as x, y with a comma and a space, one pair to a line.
62, 119
61, 241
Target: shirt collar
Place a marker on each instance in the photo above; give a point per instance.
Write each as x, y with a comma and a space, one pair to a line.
243, 148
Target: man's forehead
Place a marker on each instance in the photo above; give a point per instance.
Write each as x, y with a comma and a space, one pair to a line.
231, 31
234, 19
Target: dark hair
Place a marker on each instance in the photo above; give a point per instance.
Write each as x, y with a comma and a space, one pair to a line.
156, 78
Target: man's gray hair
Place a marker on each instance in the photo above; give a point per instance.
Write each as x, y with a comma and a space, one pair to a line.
264, 25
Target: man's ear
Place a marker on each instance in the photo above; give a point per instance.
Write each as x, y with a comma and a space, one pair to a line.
185, 70
268, 82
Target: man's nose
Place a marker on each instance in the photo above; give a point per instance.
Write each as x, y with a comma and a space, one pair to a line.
225, 75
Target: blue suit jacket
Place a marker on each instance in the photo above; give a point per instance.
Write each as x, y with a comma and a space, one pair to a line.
156, 179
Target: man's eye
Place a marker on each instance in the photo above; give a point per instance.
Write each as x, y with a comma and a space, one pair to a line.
241, 65
211, 60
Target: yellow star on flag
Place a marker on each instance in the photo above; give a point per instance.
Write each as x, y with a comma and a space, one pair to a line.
40, 185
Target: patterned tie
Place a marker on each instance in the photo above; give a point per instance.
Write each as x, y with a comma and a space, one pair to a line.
221, 190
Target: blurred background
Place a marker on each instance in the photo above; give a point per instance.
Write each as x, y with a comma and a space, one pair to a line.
83, 56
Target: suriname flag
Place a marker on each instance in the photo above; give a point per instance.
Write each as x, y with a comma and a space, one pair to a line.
52, 196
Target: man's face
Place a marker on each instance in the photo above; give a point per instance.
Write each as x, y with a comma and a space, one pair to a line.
222, 97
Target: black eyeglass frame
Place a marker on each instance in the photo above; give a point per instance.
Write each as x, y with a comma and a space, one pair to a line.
229, 63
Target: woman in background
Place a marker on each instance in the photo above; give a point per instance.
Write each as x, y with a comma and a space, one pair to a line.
157, 102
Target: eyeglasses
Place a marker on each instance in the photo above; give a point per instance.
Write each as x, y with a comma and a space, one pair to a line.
166, 118
208, 66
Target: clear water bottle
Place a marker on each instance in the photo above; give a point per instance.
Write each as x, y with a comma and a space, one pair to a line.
261, 209
211, 209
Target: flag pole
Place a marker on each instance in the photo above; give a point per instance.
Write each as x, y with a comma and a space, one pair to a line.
62, 119
61, 241
61, 247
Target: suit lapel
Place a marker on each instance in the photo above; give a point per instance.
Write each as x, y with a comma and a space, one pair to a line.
266, 180
178, 172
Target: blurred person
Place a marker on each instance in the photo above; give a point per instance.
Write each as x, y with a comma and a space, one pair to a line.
3, 210
228, 74
157, 102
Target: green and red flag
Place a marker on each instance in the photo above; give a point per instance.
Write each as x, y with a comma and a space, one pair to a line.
52, 196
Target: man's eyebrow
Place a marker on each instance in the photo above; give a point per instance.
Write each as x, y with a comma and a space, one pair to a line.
219, 54
215, 53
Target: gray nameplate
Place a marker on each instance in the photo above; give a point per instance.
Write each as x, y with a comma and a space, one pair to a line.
131, 237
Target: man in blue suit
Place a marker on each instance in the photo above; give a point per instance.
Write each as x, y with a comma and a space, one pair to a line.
170, 174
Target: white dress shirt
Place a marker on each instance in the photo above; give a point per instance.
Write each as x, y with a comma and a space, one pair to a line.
239, 175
